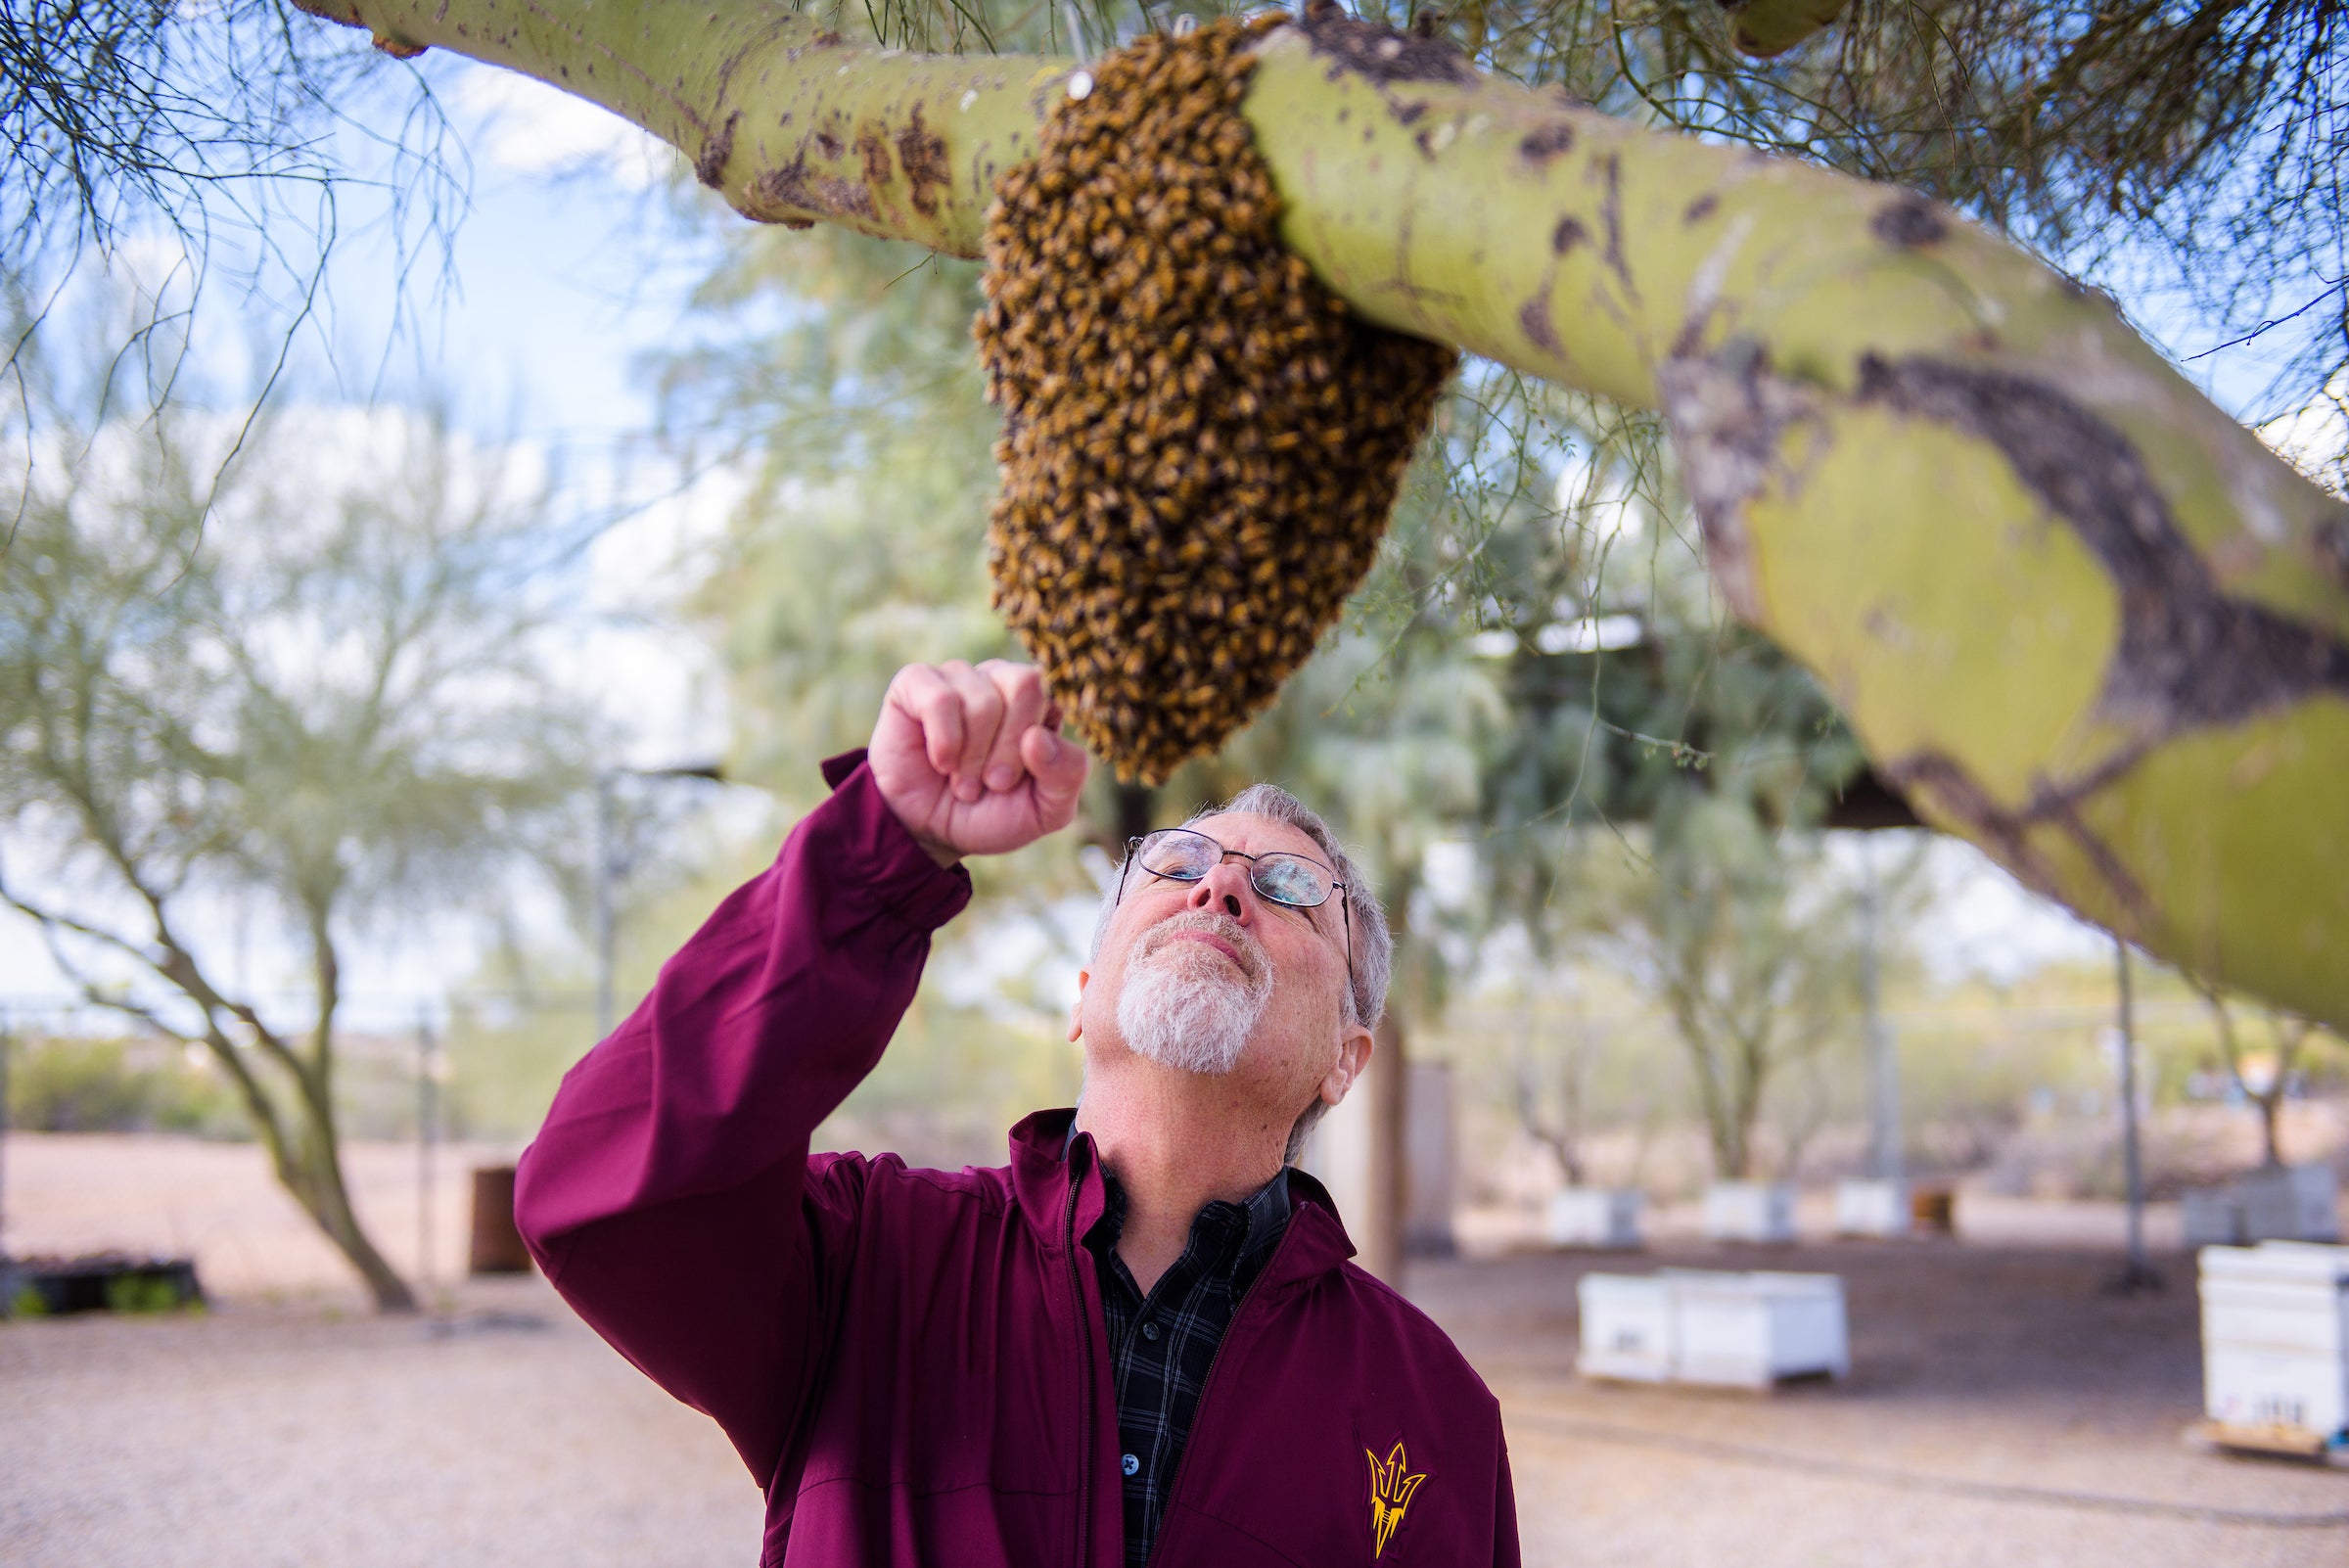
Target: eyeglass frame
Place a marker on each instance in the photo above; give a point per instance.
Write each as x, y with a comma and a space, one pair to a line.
1337, 887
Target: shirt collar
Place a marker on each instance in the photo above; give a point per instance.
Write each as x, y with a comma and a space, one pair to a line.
1256, 1222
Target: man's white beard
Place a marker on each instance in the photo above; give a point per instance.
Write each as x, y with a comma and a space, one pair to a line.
1185, 1005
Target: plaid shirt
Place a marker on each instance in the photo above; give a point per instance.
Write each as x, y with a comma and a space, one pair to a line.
1161, 1345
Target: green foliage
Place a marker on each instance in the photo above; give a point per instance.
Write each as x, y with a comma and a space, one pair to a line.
861, 423
61, 1084
145, 1293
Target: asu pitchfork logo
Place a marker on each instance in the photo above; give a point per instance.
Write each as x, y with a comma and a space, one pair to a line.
1391, 1489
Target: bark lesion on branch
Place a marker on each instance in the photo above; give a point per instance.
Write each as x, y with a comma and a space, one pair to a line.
1380, 54
2190, 656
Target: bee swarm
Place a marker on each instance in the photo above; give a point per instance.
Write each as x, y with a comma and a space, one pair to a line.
1201, 444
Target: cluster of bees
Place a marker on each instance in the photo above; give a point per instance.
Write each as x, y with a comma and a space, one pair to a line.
1201, 444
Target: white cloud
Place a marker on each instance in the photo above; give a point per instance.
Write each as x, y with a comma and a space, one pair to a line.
525, 127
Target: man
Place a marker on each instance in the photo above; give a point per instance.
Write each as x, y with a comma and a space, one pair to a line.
1141, 1341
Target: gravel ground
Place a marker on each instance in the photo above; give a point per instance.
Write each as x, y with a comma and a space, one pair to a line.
2002, 1410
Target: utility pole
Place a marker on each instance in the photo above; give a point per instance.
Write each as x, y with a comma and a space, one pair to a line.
2136, 1274
428, 1069
1885, 1154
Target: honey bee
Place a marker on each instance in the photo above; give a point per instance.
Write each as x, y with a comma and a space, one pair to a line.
1202, 445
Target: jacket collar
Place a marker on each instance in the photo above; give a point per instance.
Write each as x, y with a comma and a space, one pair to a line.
1041, 1178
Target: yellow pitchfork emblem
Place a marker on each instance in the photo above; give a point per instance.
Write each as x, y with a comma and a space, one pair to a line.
1390, 1493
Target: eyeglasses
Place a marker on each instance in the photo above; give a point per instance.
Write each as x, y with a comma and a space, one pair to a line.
1185, 854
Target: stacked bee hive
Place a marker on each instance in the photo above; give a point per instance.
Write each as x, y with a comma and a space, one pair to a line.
1201, 446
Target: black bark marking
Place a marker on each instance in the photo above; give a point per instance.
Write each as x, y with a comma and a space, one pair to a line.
1546, 141
2332, 550
1727, 413
793, 187
1701, 209
2008, 831
1406, 113
1567, 235
1533, 319
923, 151
1610, 216
1907, 223
2188, 655
878, 171
827, 144
1380, 54
711, 167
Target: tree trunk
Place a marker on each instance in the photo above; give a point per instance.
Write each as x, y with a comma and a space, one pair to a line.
2078, 615
2271, 1112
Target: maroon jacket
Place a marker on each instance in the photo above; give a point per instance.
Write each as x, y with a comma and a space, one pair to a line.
912, 1363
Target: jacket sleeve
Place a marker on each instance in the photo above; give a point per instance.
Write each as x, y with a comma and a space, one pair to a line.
670, 1196
1505, 1513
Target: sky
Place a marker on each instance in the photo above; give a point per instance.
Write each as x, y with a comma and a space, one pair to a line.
571, 263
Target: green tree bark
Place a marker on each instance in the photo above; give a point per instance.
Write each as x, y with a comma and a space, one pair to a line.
1768, 29
2083, 618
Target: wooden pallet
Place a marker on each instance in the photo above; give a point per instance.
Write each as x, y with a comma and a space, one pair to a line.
2269, 1442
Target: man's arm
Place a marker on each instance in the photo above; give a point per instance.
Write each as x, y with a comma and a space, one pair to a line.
670, 1196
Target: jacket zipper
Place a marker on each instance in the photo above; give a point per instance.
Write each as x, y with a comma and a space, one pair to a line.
1085, 1411
1206, 1386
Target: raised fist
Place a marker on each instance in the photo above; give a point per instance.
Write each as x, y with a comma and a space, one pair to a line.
971, 759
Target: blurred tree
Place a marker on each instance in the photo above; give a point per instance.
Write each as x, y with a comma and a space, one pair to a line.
2265, 1078
834, 373
329, 709
1723, 921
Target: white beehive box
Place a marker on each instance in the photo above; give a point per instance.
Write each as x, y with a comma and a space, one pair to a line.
2290, 1203
1626, 1327
1594, 1216
1749, 1211
2276, 1336
1754, 1330
1873, 1208
1690, 1325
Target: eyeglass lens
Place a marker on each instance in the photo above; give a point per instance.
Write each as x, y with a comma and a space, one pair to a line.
1181, 855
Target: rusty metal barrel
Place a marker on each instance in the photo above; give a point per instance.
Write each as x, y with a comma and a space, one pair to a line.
1934, 1209
498, 1247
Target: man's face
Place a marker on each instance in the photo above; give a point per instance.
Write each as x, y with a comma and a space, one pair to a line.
1182, 962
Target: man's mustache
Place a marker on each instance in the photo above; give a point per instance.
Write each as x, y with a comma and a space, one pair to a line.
1255, 962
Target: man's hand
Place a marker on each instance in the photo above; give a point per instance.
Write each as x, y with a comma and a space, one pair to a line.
971, 761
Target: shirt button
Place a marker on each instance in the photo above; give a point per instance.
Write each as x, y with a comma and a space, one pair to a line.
1150, 1333
1131, 1465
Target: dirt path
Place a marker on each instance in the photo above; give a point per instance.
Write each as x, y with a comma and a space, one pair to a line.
2001, 1411
2002, 1408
